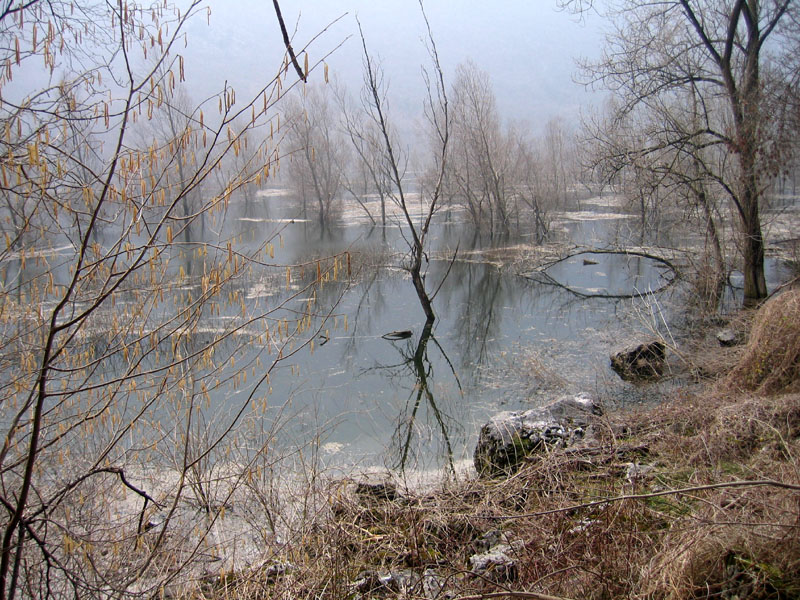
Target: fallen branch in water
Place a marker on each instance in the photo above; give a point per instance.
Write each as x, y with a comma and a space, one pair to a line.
540, 275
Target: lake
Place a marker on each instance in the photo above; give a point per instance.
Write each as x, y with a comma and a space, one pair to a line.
502, 339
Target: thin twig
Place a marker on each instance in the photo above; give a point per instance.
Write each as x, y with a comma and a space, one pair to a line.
699, 488
512, 594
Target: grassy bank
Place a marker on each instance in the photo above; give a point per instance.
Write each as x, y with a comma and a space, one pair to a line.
695, 498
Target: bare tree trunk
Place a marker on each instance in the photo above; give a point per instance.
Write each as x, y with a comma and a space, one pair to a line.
715, 281
755, 284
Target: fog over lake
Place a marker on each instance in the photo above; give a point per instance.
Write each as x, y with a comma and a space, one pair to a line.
528, 48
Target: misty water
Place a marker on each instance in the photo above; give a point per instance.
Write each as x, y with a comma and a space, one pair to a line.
502, 340
508, 335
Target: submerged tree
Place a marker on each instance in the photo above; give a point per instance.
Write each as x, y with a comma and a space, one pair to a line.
545, 168
392, 162
496, 172
722, 54
481, 164
368, 174
110, 353
318, 152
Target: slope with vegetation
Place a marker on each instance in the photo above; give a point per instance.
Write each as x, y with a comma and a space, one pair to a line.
695, 498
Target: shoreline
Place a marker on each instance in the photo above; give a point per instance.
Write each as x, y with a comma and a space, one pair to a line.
692, 497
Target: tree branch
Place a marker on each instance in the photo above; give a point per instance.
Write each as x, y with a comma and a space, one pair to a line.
688, 490
287, 42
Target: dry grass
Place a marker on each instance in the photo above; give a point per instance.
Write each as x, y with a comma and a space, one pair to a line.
602, 522
712, 542
771, 362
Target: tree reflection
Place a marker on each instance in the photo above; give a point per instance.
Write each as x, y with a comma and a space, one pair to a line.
415, 358
480, 311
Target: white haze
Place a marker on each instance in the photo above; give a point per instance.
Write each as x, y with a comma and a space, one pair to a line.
527, 47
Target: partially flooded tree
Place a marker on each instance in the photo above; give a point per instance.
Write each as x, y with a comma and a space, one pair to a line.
368, 175
437, 112
481, 164
544, 171
122, 375
720, 52
496, 172
557, 155
318, 152
169, 126
658, 178
613, 152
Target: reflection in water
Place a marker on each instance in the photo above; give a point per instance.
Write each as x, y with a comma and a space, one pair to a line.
422, 368
423, 410
483, 294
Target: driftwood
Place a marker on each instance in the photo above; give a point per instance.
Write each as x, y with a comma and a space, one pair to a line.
397, 335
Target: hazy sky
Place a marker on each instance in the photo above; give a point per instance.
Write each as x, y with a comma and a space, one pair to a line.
528, 48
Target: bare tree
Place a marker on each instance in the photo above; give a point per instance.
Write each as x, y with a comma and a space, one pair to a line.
480, 167
557, 152
438, 114
319, 154
170, 127
496, 171
368, 174
531, 181
110, 353
632, 150
715, 51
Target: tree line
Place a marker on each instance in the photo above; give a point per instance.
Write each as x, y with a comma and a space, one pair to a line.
701, 118
502, 175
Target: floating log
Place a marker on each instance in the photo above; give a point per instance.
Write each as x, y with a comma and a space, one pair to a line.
397, 335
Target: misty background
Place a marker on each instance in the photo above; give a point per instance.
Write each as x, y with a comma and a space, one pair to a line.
529, 49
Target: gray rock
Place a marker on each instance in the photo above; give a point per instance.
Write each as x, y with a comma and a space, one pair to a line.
636, 472
728, 337
378, 486
497, 564
435, 586
272, 571
640, 363
509, 438
372, 582
368, 582
489, 540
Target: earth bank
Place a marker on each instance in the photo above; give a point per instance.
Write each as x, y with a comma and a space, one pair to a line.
694, 498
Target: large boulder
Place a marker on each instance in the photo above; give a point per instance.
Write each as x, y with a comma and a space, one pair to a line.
640, 363
510, 437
